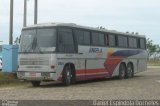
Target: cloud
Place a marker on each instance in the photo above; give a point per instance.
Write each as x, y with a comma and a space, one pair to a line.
124, 15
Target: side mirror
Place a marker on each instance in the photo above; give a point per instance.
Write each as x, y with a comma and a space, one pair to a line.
19, 39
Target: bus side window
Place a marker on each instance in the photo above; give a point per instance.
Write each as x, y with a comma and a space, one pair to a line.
138, 43
132, 42
122, 41
83, 37
65, 41
112, 40
98, 39
142, 43
106, 40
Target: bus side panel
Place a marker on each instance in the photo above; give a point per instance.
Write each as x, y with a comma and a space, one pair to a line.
96, 69
95, 63
82, 57
137, 57
141, 59
64, 59
102, 64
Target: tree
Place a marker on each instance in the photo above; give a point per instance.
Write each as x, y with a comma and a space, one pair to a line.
17, 40
158, 48
150, 46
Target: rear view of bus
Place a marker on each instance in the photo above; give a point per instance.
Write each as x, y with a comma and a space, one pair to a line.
69, 53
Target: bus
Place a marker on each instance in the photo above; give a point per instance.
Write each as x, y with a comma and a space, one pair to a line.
68, 52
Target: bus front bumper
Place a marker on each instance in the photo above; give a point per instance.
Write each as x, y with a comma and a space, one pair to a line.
36, 76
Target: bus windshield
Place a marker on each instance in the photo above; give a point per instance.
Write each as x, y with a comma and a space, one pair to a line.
38, 40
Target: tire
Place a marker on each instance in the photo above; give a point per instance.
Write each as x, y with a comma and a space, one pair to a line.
35, 83
122, 71
67, 76
130, 71
73, 78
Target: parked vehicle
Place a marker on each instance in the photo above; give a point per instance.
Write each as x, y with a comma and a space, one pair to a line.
70, 52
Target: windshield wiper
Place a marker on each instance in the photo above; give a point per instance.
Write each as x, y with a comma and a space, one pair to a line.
28, 48
35, 45
31, 47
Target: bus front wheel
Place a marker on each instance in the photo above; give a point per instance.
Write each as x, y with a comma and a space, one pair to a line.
67, 76
36, 83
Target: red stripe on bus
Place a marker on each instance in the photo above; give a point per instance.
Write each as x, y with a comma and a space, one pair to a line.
85, 77
90, 71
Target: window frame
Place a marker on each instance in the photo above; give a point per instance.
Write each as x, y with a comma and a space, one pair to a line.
98, 35
144, 43
115, 37
127, 46
105, 33
52, 30
74, 40
75, 36
136, 42
106, 40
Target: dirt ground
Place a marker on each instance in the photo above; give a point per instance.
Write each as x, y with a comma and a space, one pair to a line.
144, 86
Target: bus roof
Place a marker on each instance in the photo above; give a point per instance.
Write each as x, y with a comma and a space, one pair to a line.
43, 25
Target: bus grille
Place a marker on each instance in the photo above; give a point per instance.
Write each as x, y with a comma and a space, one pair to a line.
34, 62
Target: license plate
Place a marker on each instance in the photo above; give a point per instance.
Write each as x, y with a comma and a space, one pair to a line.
32, 74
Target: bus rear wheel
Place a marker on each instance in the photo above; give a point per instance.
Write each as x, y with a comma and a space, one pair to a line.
122, 71
36, 83
67, 76
130, 71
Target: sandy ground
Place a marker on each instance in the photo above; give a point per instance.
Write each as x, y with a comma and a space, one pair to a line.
145, 85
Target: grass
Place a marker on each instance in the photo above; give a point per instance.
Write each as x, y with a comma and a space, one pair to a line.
153, 63
10, 79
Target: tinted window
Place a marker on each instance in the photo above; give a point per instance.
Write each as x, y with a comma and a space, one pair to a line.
101, 39
65, 40
46, 37
138, 42
98, 39
83, 37
142, 44
122, 41
132, 42
112, 40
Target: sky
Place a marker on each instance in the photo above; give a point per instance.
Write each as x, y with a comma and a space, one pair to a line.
142, 16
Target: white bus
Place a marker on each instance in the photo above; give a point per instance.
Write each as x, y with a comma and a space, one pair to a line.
68, 53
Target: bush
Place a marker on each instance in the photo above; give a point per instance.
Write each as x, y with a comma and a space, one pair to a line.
8, 78
154, 62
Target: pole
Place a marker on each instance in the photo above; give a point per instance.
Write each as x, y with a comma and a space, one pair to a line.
25, 14
11, 23
35, 11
